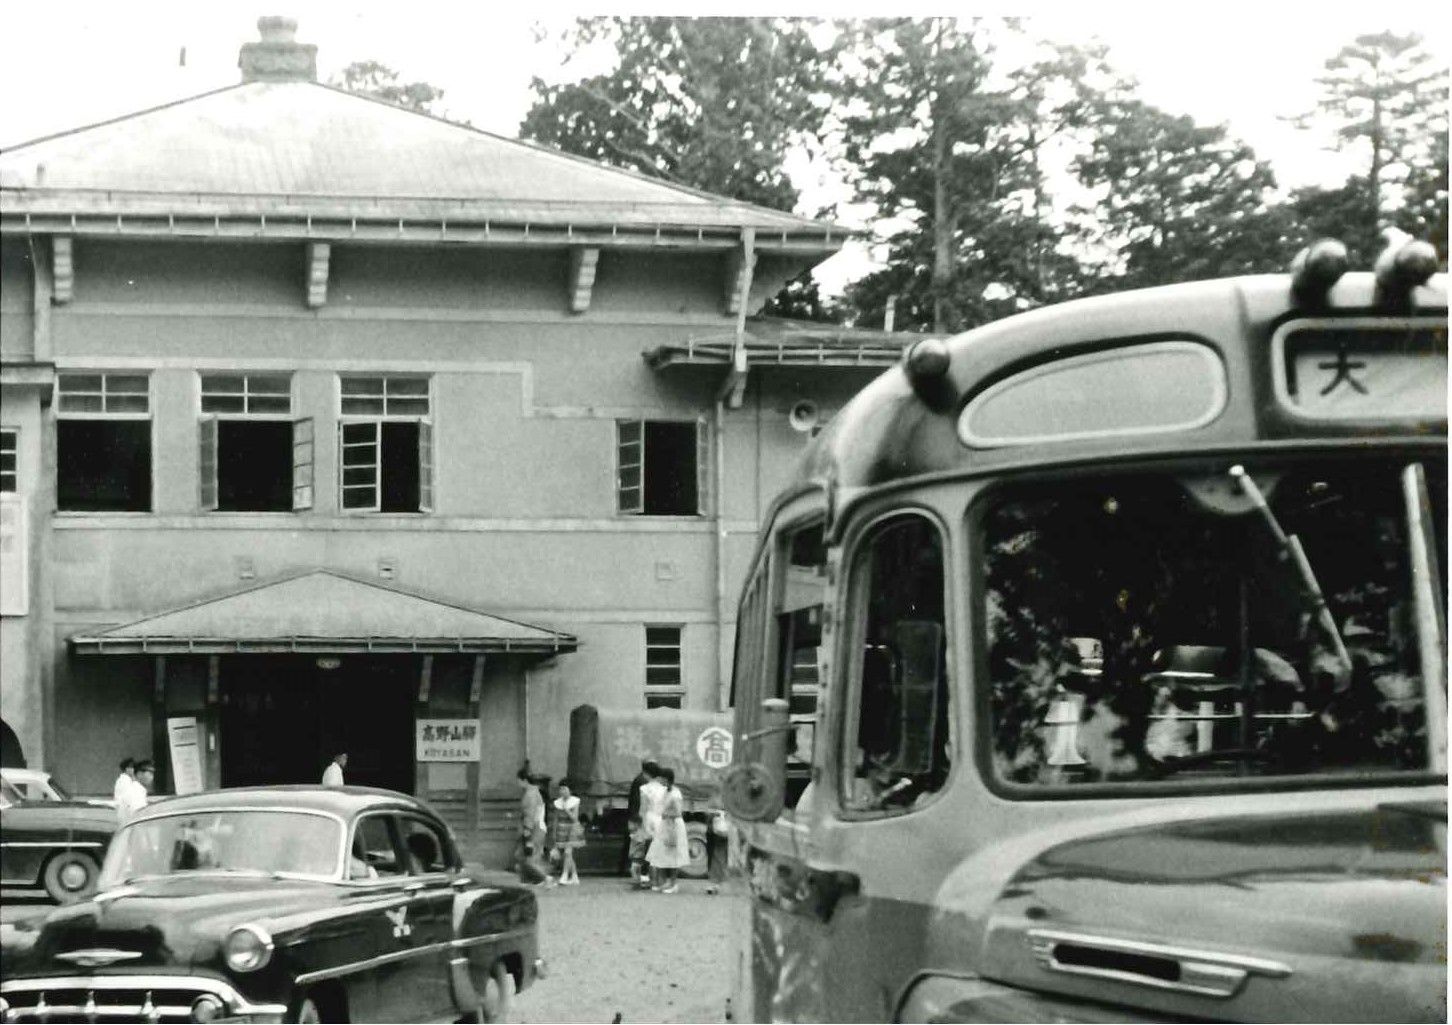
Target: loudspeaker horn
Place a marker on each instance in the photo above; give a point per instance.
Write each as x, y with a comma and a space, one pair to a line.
804, 415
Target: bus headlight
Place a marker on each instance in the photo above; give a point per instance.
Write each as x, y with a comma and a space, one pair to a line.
247, 948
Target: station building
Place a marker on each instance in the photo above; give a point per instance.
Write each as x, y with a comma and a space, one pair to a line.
332, 425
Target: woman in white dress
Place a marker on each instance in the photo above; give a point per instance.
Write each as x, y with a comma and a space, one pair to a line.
669, 851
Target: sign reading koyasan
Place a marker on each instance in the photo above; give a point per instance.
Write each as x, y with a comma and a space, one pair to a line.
447, 740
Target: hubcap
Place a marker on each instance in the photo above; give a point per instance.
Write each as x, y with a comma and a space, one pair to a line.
73, 876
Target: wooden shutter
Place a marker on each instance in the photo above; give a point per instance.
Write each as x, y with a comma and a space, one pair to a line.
425, 466
207, 463
303, 449
630, 466
703, 468
359, 480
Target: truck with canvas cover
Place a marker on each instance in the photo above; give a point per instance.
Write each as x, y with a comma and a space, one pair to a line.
607, 747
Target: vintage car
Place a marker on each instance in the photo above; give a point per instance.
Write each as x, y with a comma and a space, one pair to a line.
49, 841
297, 904
36, 785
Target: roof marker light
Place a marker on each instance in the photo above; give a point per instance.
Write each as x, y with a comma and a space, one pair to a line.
1316, 268
1403, 266
926, 365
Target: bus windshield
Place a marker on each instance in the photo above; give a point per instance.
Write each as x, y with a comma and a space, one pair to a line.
1149, 627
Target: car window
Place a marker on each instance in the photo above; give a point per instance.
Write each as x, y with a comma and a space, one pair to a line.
374, 854
428, 849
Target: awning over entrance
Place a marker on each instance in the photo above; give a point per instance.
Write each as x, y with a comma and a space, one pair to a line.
773, 341
323, 611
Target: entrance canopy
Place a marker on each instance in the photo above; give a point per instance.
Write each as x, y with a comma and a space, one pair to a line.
323, 611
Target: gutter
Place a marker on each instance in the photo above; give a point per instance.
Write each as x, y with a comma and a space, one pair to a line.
730, 393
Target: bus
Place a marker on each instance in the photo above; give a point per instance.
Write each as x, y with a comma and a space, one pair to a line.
1129, 627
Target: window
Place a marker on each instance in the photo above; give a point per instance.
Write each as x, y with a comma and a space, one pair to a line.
253, 456
661, 467
428, 849
103, 442
9, 452
664, 685
1146, 628
899, 750
801, 594
374, 853
386, 445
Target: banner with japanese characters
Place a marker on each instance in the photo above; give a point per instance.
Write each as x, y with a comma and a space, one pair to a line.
447, 740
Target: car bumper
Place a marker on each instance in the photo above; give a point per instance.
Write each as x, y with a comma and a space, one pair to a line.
139, 998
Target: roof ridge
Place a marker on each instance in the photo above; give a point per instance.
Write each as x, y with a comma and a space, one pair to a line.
410, 593
120, 117
551, 151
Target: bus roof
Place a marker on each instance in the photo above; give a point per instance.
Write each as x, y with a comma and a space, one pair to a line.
893, 431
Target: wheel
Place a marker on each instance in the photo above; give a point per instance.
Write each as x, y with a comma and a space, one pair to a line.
698, 846
498, 995
70, 876
305, 1010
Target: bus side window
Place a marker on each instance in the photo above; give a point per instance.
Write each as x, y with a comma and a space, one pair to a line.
797, 610
898, 751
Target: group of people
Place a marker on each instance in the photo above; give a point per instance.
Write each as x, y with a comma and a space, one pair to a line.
552, 829
659, 848
538, 839
133, 787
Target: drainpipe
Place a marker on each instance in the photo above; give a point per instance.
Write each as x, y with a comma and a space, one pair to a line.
730, 394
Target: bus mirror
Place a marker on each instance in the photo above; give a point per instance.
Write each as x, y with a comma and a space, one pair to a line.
754, 789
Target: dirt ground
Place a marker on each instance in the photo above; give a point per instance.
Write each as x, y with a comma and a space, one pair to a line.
646, 956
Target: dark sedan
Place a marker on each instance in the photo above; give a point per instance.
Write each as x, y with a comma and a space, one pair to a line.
51, 843
281, 904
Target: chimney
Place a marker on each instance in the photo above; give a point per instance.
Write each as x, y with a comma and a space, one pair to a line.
278, 57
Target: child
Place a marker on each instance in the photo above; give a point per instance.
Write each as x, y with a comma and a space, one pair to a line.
569, 834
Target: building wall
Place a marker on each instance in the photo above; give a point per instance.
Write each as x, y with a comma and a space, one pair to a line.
525, 401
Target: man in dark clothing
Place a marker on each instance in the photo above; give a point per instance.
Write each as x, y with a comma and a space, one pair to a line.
637, 844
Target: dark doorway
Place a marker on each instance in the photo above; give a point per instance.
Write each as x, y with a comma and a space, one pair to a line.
283, 718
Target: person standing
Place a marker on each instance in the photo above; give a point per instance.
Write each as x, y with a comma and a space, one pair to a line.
531, 829
333, 774
631, 858
569, 834
135, 794
669, 851
652, 794
124, 780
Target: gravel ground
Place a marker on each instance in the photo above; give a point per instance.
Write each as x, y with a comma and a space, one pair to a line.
648, 957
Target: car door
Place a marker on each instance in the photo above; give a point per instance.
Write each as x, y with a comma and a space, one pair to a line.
28, 835
432, 871
378, 869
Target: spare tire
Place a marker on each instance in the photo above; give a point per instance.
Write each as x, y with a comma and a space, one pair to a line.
698, 845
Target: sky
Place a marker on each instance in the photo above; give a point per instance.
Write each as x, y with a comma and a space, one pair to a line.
68, 63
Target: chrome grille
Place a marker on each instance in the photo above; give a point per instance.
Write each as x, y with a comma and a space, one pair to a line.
118, 998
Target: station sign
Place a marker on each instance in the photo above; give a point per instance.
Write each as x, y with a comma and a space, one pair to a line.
446, 740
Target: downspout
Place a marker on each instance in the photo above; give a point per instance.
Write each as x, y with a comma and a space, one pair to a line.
730, 393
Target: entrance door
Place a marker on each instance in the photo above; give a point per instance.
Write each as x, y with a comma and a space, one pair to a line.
283, 718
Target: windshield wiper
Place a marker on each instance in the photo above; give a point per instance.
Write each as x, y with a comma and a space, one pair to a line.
1291, 551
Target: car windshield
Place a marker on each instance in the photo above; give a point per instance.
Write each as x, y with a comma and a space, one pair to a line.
1154, 627
37, 788
242, 841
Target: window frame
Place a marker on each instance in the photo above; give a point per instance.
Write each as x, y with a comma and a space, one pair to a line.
667, 690
149, 417
208, 433
10, 446
395, 837
441, 833
636, 507
427, 441
850, 648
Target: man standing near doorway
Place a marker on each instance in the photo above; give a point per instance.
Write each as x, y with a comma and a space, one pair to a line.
125, 780
333, 774
133, 795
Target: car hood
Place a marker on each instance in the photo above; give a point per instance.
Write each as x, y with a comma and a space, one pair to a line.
1321, 916
83, 815
176, 920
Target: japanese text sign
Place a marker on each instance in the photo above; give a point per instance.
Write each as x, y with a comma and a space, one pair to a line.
447, 740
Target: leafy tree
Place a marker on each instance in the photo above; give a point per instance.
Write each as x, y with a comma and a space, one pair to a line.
1386, 96
950, 152
802, 299
1424, 213
1178, 201
709, 103
370, 78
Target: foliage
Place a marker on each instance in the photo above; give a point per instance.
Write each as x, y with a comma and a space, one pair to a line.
370, 78
1177, 201
802, 299
709, 103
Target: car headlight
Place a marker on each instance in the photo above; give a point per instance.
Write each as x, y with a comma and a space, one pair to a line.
247, 948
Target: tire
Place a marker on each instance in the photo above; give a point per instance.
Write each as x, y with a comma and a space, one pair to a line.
498, 995
70, 876
305, 1010
698, 845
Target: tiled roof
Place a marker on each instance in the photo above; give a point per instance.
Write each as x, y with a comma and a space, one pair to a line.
323, 611
301, 148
